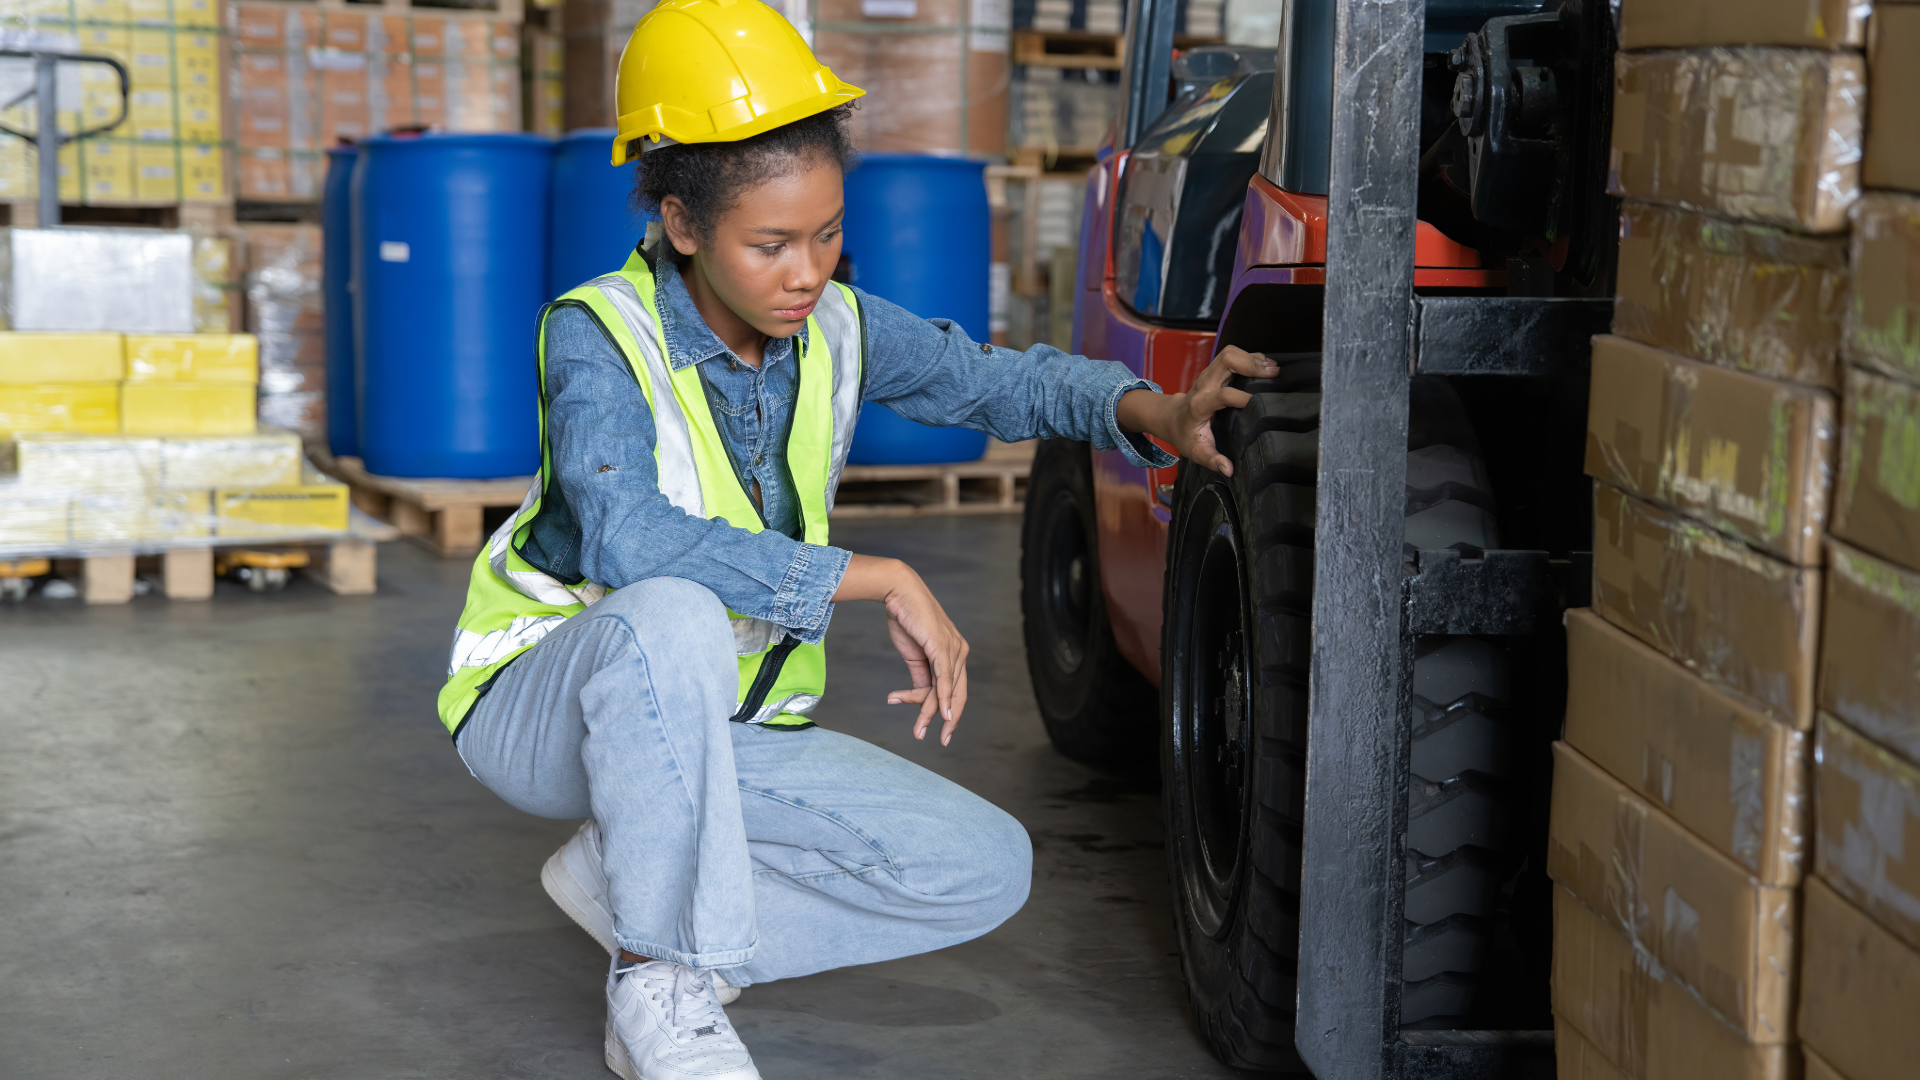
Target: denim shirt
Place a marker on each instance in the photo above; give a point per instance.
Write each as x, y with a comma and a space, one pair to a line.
601, 437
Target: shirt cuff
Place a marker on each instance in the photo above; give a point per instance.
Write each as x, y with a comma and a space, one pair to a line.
1140, 451
804, 601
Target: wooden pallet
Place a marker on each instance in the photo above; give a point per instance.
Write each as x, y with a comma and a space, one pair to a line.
444, 516
1067, 49
342, 564
995, 484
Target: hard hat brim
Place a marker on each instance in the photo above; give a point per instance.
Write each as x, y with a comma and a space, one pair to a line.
657, 122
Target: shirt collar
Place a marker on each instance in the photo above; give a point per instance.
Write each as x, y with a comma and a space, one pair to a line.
689, 339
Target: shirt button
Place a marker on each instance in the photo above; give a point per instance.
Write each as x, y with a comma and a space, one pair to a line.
985, 348
758, 458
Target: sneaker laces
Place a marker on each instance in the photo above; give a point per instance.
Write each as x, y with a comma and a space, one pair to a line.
693, 1012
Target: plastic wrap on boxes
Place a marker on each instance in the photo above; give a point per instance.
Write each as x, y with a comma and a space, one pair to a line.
1862, 990
1870, 654
315, 504
91, 406
1883, 322
1749, 456
1716, 929
213, 284
60, 358
1769, 135
1893, 125
1743, 620
1878, 503
1622, 1000
1813, 24
32, 516
1751, 297
85, 278
1737, 779
284, 313
1869, 804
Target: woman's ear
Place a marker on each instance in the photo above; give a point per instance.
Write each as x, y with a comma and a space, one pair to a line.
679, 224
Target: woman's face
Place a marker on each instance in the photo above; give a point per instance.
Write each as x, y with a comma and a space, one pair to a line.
772, 254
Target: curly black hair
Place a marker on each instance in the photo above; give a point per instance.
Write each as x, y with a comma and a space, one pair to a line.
709, 178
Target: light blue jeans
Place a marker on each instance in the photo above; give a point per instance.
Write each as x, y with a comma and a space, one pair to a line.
770, 853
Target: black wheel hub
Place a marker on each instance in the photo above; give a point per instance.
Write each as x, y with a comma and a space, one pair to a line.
1066, 583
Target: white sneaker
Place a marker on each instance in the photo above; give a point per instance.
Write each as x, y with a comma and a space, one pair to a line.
576, 879
664, 1023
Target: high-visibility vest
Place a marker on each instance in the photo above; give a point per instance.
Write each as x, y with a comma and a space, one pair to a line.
512, 603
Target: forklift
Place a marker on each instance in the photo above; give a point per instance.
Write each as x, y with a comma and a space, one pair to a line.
1345, 662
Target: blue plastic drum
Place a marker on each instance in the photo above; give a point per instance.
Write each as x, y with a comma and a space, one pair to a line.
919, 234
450, 271
593, 231
343, 430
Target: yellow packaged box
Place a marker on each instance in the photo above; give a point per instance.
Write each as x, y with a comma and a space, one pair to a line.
1749, 456
1893, 127
90, 407
43, 357
1751, 297
279, 510
1768, 135
1812, 24
1870, 648
1877, 506
1883, 321
93, 463
1862, 991
1743, 620
1868, 804
268, 456
1706, 919
195, 357
1714, 761
186, 408
1639, 1019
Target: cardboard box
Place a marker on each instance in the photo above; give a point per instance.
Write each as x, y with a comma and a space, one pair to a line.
60, 358
100, 464
1893, 127
1867, 802
1577, 1059
1878, 503
267, 457
1810, 24
1768, 135
1862, 991
90, 407
1870, 656
1883, 321
193, 357
281, 510
1744, 621
1817, 1067
1715, 762
1637, 1018
1749, 456
1706, 919
186, 408
1750, 297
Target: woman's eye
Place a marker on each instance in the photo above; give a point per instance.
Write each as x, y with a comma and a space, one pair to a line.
829, 236
770, 249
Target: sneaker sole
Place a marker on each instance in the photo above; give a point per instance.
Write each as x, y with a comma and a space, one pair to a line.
577, 901
617, 1058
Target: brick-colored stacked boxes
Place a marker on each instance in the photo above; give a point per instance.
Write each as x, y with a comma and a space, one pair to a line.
306, 76
1861, 946
1680, 806
173, 147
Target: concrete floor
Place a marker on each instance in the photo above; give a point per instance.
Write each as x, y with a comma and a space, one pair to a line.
234, 842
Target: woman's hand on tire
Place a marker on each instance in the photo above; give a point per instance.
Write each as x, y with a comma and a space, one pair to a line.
1185, 420
925, 637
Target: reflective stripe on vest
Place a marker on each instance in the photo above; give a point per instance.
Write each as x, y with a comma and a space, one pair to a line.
511, 604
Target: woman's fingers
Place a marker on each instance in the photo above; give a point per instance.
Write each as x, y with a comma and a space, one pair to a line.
960, 703
1242, 362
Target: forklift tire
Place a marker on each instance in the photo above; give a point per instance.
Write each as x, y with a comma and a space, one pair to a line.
1235, 657
1096, 707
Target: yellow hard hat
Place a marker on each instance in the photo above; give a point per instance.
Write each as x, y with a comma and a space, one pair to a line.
717, 71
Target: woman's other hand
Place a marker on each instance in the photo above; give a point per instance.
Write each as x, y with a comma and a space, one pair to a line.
927, 640
1185, 421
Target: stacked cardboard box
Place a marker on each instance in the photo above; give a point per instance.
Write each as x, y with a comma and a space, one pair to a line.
1680, 809
173, 146
307, 76
935, 72
1861, 947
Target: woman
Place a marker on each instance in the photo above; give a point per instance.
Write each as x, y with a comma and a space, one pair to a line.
641, 643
